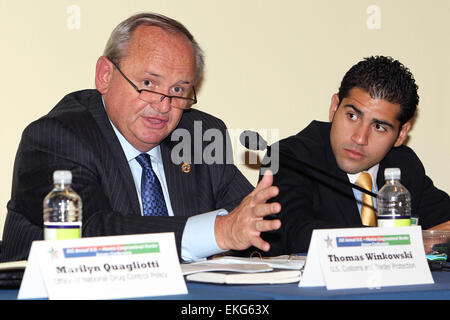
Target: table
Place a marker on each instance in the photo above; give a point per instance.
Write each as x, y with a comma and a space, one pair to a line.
440, 290
437, 291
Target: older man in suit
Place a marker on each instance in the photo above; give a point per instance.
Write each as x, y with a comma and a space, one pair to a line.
370, 118
111, 136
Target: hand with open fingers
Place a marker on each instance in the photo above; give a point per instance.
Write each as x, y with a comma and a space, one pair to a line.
242, 227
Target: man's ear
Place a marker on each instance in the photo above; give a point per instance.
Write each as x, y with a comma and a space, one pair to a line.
403, 134
333, 106
103, 72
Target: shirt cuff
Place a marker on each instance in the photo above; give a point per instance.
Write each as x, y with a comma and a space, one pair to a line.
198, 240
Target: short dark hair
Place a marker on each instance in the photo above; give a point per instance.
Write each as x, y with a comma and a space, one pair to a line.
383, 78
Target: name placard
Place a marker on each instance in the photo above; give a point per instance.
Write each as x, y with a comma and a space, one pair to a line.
103, 268
366, 258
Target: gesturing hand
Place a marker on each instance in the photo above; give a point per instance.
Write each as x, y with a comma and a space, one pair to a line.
242, 227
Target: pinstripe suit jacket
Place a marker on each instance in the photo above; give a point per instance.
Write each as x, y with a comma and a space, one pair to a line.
77, 135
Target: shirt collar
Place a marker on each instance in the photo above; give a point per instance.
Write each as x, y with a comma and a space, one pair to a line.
373, 171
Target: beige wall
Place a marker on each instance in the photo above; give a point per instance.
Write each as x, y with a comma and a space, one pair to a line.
270, 64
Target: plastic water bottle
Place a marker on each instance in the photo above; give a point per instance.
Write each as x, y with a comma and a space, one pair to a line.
62, 209
393, 201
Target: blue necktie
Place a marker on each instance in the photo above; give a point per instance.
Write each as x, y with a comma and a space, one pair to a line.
153, 203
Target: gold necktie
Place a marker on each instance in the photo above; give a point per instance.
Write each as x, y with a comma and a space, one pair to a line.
368, 216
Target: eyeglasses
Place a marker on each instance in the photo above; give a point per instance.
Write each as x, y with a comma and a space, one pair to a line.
152, 96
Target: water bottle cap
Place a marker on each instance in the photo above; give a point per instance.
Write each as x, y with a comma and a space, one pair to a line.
392, 173
60, 176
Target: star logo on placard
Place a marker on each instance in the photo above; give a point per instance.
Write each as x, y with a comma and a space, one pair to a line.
53, 253
329, 242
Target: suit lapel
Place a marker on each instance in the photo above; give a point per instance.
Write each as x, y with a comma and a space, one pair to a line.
181, 184
345, 202
380, 176
98, 112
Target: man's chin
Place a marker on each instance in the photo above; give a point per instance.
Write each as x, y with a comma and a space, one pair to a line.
145, 143
352, 168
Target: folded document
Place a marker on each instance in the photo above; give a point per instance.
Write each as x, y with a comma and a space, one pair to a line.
237, 270
270, 277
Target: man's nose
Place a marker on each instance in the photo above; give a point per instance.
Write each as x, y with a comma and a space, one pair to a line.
361, 134
164, 104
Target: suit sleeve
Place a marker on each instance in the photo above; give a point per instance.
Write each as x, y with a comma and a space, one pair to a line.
429, 203
433, 206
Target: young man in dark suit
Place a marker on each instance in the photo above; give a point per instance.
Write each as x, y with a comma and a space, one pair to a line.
370, 118
108, 137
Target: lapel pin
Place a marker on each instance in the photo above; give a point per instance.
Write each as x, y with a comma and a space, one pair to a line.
186, 167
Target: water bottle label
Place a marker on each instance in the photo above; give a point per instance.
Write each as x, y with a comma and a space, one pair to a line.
389, 223
62, 230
